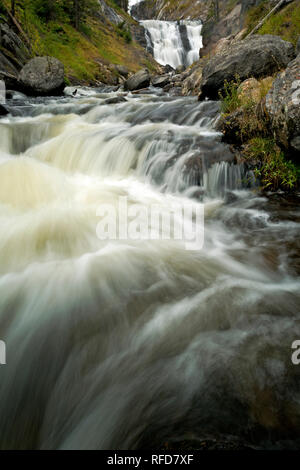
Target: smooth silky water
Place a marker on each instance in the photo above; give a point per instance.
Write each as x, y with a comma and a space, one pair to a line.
127, 344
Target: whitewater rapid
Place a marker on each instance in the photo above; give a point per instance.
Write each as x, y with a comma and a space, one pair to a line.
127, 344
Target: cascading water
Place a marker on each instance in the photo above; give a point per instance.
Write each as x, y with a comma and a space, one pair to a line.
125, 344
174, 43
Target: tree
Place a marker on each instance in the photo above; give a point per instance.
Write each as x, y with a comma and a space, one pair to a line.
13, 7
217, 9
81, 9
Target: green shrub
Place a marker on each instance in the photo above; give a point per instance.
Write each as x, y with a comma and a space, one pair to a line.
273, 170
124, 32
230, 100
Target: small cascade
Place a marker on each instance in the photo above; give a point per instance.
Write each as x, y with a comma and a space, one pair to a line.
126, 343
174, 43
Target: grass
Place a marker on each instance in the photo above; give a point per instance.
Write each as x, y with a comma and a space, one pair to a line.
285, 23
275, 171
88, 53
254, 134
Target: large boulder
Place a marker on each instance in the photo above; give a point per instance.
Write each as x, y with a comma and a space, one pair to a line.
138, 81
43, 76
160, 81
257, 56
283, 107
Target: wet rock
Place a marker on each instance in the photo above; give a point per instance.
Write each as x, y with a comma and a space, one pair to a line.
180, 69
167, 69
3, 110
11, 80
110, 13
191, 84
257, 56
115, 100
43, 76
9, 94
142, 91
168, 87
138, 81
230, 126
160, 81
175, 91
283, 107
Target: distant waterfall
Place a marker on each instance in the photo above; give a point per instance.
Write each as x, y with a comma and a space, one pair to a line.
131, 3
174, 43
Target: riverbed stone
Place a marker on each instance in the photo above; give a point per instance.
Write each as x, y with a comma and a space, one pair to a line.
138, 81
3, 110
160, 81
43, 76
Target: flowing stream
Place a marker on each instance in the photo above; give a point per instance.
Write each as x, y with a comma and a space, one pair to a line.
127, 344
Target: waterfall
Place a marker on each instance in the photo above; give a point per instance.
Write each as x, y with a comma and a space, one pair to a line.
174, 43
131, 3
129, 343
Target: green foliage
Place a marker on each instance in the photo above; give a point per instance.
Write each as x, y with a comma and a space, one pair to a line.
256, 14
274, 170
285, 23
252, 129
229, 97
2, 9
124, 32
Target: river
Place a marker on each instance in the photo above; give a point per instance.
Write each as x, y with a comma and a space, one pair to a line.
125, 344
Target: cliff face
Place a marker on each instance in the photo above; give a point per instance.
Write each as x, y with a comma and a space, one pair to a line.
172, 10
221, 18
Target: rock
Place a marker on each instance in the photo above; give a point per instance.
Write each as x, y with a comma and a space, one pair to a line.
43, 76
168, 87
180, 69
176, 78
191, 84
228, 25
283, 107
3, 110
222, 44
115, 100
13, 48
9, 94
252, 89
11, 80
167, 69
175, 91
257, 56
138, 81
160, 81
249, 89
298, 46
142, 91
110, 13
122, 70
230, 126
